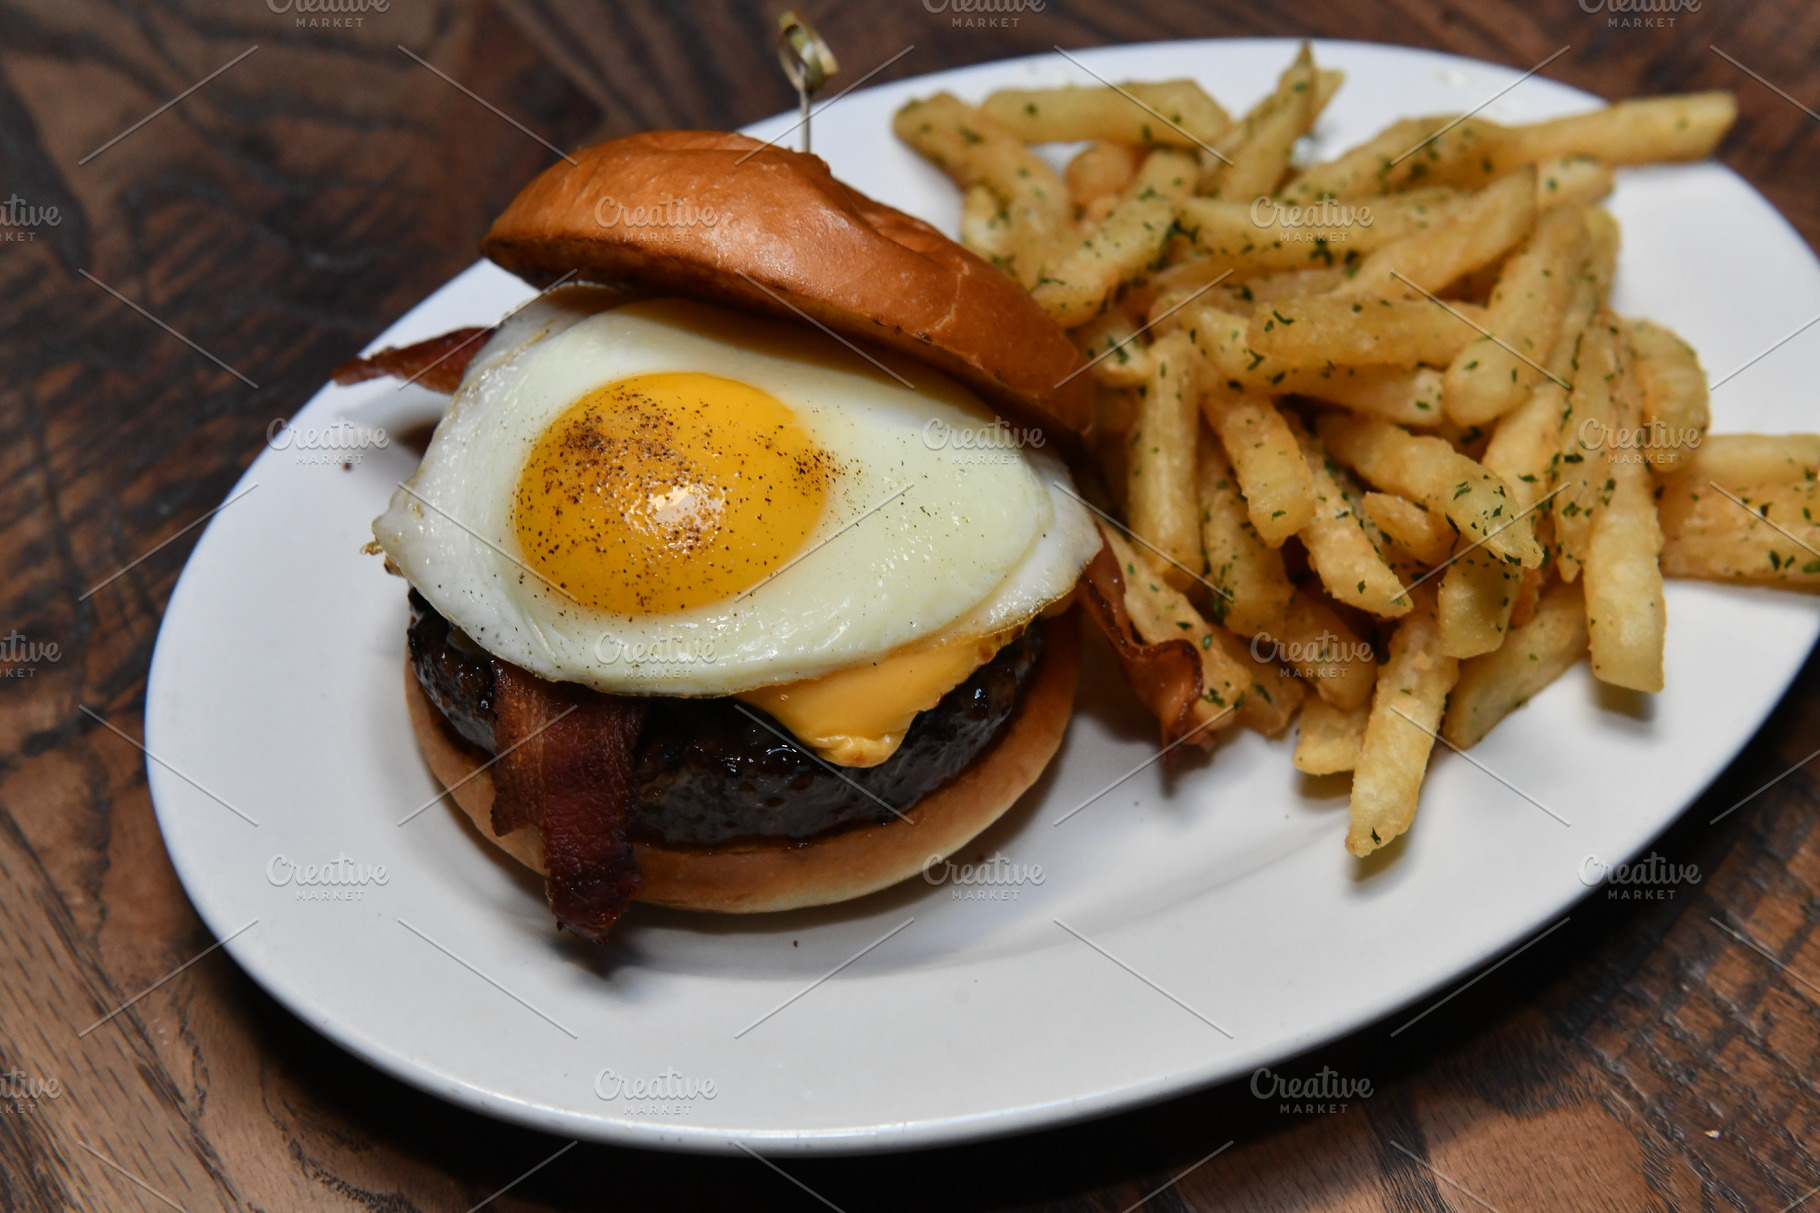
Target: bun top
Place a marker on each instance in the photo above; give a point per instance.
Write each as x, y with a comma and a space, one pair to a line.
727, 219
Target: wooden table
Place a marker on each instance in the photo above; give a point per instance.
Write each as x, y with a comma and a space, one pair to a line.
1641, 1058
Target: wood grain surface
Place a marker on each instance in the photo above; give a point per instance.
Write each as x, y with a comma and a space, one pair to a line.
1639, 1058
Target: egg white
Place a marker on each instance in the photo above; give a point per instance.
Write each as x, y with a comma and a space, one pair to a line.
979, 538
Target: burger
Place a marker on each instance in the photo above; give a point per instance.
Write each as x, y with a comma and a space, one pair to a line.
742, 560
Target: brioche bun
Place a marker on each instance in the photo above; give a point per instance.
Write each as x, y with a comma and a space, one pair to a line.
786, 875
727, 219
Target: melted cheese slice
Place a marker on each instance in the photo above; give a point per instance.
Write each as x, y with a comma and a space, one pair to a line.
857, 717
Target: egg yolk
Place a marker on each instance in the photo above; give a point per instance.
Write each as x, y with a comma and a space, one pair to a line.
668, 491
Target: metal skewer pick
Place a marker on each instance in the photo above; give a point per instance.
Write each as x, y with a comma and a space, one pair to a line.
808, 63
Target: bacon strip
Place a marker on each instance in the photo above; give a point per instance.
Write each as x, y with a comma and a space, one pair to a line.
567, 769
437, 363
1166, 676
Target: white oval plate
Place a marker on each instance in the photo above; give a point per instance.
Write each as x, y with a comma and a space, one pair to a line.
275, 685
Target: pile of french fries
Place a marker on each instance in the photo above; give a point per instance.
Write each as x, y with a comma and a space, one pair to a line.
1370, 437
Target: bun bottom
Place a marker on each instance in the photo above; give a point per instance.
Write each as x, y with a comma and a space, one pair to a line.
750, 878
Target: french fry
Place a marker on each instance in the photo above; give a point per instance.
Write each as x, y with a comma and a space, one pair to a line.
1419, 531
1490, 377
985, 228
1739, 460
1248, 294
1529, 591
1110, 344
1602, 239
1095, 212
1476, 233
1188, 273
1171, 113
1256, 150
1265, 234
1593, 412
1761, 534
1523, 447
1413, 152
1129, 241
1353, 490
1410, 396
1274, 696
1221, 337
1251, 590
1535, 653
1429, 471
1166, 306
1160, 613
1649, 130
1340, 550
1366, 170
1449, 151
975, 150
1626, 616
1160, 493
1468, 440
1406, 396
1311, 333
1328, 738
1473, 606
1465, 156
1327, 82
1527, 443
1100, 169
1572, 181
1320, 646
1676, 408
1405, 711
1274, 477
1588, 296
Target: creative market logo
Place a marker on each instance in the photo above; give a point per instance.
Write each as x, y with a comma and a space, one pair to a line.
1639, 14
20, 656
20, 1093
340, 879
20, 220
983, 14
1651, 878
994, 879
671, 1093
1325, 1091
328, 14
344, 443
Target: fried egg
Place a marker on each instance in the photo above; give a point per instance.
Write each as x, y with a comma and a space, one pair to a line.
666, 497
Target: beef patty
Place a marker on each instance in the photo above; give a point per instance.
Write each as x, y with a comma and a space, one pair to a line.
709, 773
